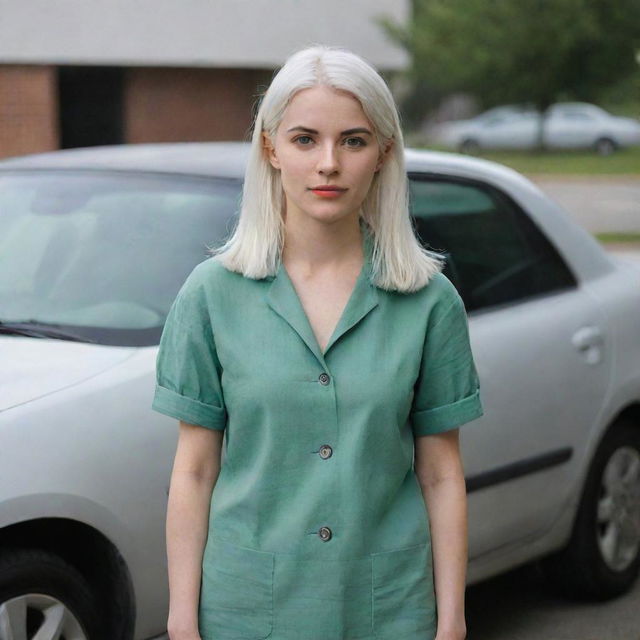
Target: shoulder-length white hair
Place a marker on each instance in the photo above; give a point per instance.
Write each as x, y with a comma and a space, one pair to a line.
254, 249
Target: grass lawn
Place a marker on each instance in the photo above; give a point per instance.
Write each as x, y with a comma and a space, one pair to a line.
624, 162
618, 238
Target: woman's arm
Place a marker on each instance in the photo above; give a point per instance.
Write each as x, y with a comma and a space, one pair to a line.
195, 471
438, 467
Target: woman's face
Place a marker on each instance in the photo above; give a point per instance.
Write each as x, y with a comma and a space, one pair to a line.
324, 139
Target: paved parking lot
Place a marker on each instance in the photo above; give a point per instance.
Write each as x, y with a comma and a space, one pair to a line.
600, 204
631, 250
519, 606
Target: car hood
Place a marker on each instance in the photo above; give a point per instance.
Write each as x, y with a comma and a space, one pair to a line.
31, 368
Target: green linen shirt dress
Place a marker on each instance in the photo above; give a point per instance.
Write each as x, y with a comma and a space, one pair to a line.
318, 529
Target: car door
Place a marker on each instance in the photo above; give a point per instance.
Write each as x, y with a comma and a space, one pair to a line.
537, 339
510, 131
571, 128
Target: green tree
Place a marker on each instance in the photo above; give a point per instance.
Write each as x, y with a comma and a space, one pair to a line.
518, 51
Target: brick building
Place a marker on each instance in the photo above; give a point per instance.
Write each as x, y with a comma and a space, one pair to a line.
82, 73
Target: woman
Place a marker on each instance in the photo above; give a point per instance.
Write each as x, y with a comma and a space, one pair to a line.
328, 345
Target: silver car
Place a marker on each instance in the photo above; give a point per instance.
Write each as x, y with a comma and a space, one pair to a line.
94, 245
567, 125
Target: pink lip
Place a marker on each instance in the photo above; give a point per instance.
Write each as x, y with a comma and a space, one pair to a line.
328, 193
327, 190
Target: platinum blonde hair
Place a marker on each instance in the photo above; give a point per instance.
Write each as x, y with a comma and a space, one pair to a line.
254, 249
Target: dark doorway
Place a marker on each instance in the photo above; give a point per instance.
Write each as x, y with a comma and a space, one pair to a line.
90, 100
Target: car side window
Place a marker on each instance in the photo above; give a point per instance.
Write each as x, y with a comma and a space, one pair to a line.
496, 121
495, 254
576, 116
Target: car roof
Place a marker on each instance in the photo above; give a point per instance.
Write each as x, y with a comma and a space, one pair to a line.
225, 159
228, 160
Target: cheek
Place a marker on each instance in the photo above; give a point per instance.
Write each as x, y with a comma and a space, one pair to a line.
291, 180
367, 163
291, 172
366, 175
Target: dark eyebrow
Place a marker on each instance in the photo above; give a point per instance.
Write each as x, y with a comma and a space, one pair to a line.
348, 132
357, 130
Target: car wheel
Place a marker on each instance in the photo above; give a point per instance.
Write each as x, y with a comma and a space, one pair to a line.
604, 146
602, 558
469, 146
44, 597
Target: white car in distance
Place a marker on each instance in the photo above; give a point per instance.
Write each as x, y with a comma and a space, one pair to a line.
566, 125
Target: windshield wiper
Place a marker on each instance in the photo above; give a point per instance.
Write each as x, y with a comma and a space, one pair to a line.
34, 329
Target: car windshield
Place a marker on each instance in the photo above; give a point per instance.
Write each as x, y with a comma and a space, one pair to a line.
99, 255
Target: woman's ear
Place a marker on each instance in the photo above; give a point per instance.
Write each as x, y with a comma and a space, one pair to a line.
269, 150
383, 154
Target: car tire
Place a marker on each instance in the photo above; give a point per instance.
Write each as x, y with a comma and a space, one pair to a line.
602, 558
469, 146
604, 146
38, 588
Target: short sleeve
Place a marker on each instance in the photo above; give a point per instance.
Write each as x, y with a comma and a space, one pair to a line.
447, 392
188, 371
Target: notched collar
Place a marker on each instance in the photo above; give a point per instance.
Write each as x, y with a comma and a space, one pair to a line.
282, 297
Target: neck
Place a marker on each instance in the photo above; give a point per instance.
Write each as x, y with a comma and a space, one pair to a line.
313, 247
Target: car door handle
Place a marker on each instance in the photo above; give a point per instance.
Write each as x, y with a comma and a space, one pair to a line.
586, 337
588, 340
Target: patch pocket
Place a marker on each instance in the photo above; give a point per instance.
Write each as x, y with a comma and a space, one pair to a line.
403, 593
236, 594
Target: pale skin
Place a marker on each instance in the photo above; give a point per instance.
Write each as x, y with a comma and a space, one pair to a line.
324, 138
195, 471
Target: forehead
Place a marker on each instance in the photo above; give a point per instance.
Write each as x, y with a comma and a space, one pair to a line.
325, 104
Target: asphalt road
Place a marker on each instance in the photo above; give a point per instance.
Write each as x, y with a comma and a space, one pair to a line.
519, 605
600, 204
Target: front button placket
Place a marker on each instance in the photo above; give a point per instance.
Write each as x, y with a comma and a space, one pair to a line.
284, 300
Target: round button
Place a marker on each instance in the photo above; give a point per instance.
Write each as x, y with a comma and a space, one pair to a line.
324, 378
325, 533
325, 451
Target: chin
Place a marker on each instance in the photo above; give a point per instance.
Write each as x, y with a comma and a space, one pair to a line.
332, 216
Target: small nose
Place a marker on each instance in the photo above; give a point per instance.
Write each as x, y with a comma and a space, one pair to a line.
328, 161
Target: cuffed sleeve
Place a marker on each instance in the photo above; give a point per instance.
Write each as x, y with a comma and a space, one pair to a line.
188, 370
447, 392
